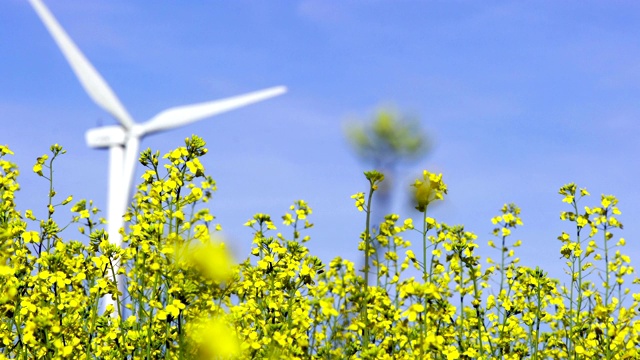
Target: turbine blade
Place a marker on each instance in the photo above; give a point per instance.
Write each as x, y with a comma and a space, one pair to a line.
90, 79
183, 115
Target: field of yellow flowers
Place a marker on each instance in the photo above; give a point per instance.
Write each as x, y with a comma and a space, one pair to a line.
185, 298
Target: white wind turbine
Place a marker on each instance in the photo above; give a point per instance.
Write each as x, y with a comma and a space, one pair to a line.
123, 140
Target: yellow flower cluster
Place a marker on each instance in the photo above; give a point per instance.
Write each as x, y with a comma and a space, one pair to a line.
186, 299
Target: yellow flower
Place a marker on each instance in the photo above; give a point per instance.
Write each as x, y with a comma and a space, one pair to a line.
327, 307
5, 150
429, 189
29, 215
31, 236
359, 197
195, 167
6, 270
37, 168
412, 312
287, 219
196, 193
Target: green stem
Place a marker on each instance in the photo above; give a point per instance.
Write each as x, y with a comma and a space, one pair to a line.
423, 324
607, 287
538, 307
461, 315
425, 275
367, 245
480, 321
576, 284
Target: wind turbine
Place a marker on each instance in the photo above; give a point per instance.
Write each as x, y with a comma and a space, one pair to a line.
123, 140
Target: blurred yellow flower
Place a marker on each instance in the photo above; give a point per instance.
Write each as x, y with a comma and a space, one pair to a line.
215, 339
429, 189
213, 260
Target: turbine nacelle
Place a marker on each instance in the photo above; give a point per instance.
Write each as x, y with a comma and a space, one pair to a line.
106, 136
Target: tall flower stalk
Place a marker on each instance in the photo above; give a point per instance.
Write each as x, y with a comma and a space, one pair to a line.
375, 178
427, 190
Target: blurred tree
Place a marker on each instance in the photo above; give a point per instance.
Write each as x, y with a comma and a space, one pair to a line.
388, 140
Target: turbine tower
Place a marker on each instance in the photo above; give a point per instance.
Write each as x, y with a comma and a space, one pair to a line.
123, 140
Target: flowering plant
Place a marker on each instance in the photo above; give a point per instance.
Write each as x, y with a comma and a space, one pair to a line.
185, 298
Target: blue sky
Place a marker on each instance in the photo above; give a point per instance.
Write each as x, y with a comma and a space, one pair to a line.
519, 98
